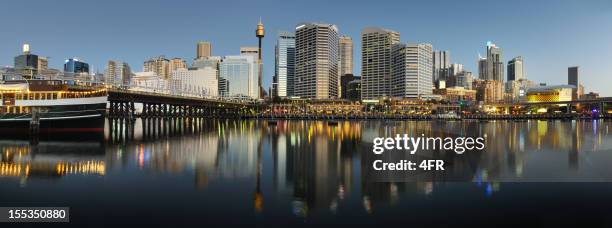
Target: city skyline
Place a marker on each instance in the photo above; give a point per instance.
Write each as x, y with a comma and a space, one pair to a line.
547, 54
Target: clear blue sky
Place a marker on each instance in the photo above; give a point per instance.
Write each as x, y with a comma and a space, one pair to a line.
550, 35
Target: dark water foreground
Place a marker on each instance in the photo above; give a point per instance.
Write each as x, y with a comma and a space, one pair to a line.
310, 172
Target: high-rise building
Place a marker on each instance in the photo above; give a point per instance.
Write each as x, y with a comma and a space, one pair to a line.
494, 63
316, 61
159, 65
346, 55
482, 68
516, 70
241, 75
117, 74
441, 62
572, 76
412, 66
76, 66
284, 65
345, 63
211, 61
572, 79
177, 63
26, 63
376, 61
204, 49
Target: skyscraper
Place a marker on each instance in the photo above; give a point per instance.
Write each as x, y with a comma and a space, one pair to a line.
284, 65
204, 50
159, 65
441, 62
316, 61
411, 70
345, 63
117, 74
376, 61
516, 71
495, 63
346, 55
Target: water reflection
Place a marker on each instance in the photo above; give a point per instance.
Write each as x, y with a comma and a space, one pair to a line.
306, 167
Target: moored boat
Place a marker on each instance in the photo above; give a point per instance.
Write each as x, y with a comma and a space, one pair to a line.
53, 104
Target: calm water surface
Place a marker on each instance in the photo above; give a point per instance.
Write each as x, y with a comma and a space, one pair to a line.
310, 172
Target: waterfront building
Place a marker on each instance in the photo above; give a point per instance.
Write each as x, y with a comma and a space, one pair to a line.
441, 62
177, 63
159, 65
516, 70
76, 66
376, 62
411, 70
316, 64
489, 91
550, 93
203, 50
456, 94
117, 74
241, 75
198, 82
284, 65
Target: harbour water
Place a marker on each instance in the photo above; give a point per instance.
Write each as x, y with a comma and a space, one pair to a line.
309, 172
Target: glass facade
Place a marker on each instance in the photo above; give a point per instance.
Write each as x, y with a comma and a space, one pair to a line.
241, 75
75, 66
285, 64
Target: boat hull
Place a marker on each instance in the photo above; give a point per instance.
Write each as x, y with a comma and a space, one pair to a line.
84, 117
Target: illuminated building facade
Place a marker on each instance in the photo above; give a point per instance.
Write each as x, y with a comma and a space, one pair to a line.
550, 93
